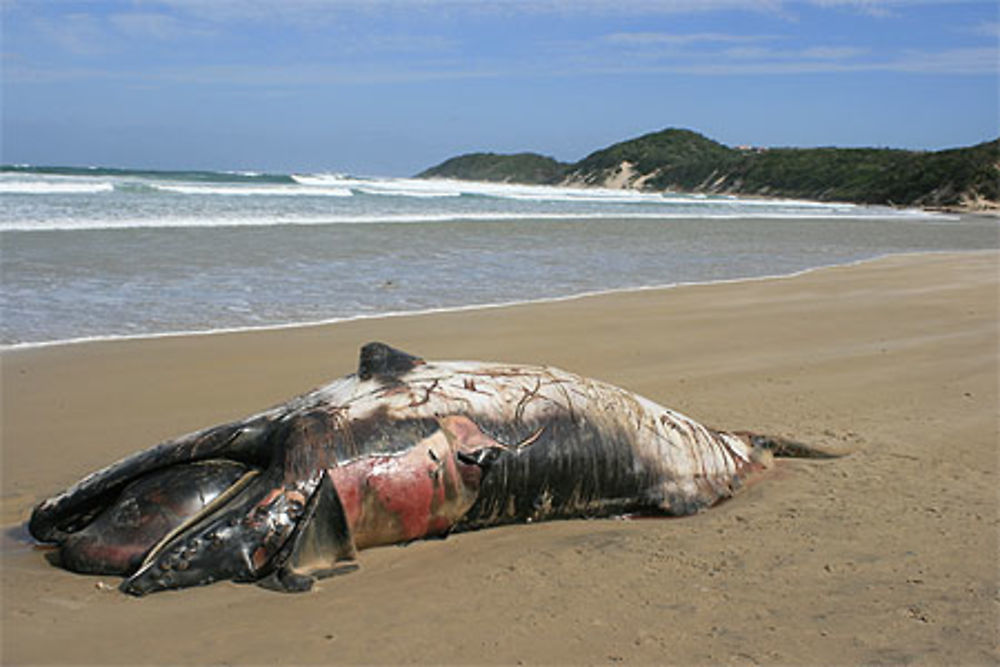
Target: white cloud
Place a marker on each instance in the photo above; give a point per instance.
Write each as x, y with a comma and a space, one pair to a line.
293, 10
984, 60
750, 53
150, 25
885, 8
987, 28
78, 33
353, 57
16, 72
879, 8
644, 6
832, 52
642, 39
682, 50
400, 43
259, 9
767, 62
747, 62
277, 77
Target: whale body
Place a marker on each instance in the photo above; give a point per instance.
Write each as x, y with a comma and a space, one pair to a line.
400, 450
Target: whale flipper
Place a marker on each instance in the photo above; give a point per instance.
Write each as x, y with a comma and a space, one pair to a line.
320, 545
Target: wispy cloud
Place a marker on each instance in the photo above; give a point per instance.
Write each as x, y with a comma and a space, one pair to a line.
386, 51
711, 52
313, 13
78, 33
400, 43
85, 34
294, 9
157, 26
987, 28
820, 54
832, 52
734, 62
294, 76
877, 8
981, 60
645, 39
764, 62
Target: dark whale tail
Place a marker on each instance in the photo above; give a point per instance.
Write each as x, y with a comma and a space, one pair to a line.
786, 448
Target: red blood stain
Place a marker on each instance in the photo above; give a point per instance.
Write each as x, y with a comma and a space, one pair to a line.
403, 488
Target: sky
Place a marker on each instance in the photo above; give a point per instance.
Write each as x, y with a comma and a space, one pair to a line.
390, 87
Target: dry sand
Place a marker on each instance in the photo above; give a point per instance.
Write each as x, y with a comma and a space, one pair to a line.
887, 555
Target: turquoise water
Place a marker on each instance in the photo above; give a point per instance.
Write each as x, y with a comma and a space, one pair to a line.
103, 252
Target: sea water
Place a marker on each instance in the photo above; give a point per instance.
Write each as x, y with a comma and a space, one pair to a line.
96, 253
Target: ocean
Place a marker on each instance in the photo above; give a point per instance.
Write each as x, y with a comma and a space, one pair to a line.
105, 253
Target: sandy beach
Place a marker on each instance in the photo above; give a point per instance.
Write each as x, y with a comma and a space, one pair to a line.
888, 555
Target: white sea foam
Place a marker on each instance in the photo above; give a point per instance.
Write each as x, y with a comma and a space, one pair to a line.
539, 193
81, 224
404, 192
254, 190
400, 187
444, 187
51, 187
335, 185
318, 179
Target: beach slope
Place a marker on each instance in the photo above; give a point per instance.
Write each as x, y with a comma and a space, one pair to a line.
887, 555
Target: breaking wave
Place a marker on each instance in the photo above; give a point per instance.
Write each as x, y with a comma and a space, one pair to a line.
53, 188
254, 190
74, 198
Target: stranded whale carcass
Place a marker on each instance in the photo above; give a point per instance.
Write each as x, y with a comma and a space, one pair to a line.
401, 450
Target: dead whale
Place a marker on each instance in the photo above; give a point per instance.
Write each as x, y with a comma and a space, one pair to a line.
402, 449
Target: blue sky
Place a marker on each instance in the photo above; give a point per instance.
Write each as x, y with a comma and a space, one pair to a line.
393, 86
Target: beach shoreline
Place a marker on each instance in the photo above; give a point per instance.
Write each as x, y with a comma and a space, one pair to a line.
144, 259
333, 321
888, 554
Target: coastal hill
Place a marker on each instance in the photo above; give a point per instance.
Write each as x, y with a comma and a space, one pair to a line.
679, 160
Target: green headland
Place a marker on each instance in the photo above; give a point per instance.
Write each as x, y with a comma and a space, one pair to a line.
677, 160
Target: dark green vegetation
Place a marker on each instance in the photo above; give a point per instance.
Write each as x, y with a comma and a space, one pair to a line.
681, 160
519, 168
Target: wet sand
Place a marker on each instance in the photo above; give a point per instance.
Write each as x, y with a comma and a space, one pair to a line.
887, 555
